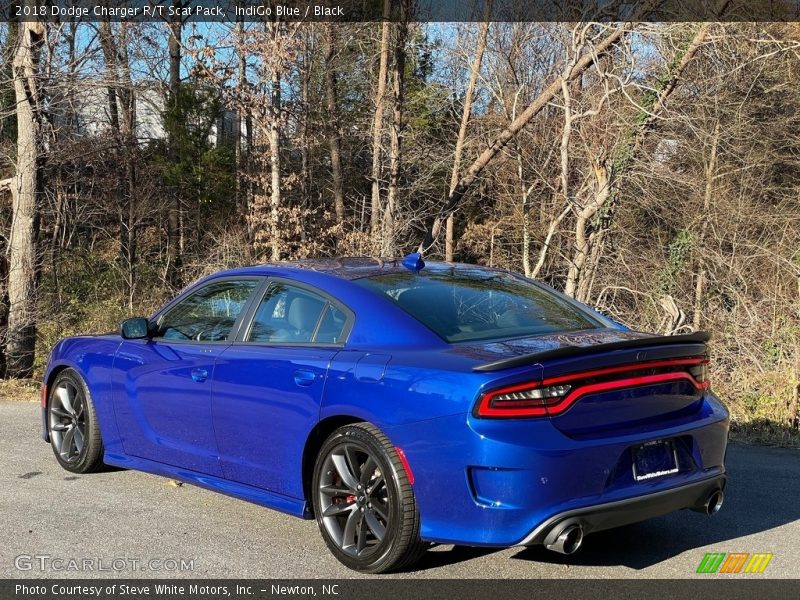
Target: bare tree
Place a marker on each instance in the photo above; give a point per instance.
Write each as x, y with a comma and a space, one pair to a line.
175, 234
377, 123
244, 129
274, 136
607, 175
502, 140
708, 193
334, 129
26, 187
122, 115
395, 145
475, 70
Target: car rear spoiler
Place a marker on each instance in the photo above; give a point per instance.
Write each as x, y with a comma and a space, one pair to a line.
700, 337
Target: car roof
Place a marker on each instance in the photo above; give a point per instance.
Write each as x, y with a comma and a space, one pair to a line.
350, 268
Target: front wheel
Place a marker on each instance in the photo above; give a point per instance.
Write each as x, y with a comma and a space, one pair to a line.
72, 424
364, 503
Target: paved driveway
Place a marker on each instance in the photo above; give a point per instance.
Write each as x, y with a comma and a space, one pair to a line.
129, 516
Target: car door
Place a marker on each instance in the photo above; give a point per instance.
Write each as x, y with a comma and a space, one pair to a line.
162, 386
268, 384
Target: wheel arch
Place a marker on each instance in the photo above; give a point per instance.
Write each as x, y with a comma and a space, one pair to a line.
49, 379
54, 373
316, 437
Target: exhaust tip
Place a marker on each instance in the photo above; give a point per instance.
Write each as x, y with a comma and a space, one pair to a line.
568, 540
714, 502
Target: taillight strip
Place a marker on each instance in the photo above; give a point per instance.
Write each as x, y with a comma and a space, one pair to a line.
618, 384
653, 364
485, 409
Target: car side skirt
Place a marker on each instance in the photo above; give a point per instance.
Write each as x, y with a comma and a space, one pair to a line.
279, 502
628, 511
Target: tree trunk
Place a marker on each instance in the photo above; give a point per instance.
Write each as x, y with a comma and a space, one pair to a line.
130, 147
23, 269
548, 239
377, 124
708, 193
305, 145
275, 165
462, 130
3, 312
243, 129
583, 239
174, 220
335, 130
122, 112
388, 233
525, 193
502, 140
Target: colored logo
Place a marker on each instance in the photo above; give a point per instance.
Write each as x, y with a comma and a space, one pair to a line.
734, 562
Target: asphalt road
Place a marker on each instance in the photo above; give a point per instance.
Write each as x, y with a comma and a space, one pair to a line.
46, 511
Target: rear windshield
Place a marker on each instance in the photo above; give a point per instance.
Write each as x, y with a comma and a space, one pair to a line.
463, 305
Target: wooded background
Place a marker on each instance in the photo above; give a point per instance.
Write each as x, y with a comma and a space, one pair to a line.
649, 170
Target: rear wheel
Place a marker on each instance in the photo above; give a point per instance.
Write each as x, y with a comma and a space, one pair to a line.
72, 424
364, 503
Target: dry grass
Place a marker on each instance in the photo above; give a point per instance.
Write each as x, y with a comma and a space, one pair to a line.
20, 390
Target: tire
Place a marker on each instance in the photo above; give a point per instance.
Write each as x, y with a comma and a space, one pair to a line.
72, 424
364, 503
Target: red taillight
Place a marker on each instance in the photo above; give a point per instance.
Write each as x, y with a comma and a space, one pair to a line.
44, 395
526, 400
555, 395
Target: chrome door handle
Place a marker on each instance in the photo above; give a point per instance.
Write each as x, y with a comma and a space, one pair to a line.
199, 375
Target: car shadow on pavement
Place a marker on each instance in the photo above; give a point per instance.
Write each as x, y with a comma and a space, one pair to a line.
763, 485
761, 495
434, 559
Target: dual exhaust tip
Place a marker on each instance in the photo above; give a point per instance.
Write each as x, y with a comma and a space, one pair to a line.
567, 540
569, 537
713, 503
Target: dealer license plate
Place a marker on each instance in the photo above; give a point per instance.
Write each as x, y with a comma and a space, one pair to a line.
654, 459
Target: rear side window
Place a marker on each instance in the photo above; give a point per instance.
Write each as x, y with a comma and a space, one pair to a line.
331, 327
463, 305
292, 314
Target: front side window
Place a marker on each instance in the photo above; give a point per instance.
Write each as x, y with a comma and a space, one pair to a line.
476, 305
295, 315
208, 314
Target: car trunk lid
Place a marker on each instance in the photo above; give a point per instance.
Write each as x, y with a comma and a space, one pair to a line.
602, 383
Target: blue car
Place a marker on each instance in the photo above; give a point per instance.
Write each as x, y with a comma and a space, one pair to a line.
400, 405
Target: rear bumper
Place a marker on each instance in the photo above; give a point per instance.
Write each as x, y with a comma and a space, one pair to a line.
626, 512
494, 482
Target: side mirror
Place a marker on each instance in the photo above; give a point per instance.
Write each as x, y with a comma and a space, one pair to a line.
135, 329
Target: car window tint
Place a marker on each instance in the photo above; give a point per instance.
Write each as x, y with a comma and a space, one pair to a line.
209, 313
471, 305
287, 314
331, 327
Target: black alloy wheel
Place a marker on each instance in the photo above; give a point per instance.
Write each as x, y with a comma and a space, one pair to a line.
364, 503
